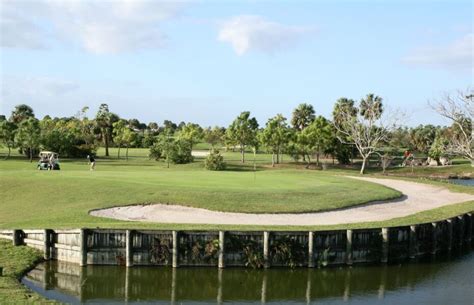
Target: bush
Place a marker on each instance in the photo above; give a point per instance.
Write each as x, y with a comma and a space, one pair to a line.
155, 151
214, 161
178, 151
181, 152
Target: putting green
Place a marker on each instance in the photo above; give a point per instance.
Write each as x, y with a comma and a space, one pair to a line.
32, 198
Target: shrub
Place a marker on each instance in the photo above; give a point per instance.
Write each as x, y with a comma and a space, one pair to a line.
155, 151
214, 161
180, 152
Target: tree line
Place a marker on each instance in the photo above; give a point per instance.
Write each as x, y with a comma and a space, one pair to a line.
362, 129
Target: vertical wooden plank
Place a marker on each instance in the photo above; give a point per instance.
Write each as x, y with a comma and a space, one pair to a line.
221, 263
47, 244
349, 247
469, 228
413, 245
450, 233
310, 250
128, 248
266, 261
434, 238
17, 237
461, 229
175, 249
384, 245
83, 247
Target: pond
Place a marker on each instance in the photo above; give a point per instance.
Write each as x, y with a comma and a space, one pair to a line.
468, 182
435, 282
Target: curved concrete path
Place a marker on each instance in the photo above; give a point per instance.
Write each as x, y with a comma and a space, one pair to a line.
417, 197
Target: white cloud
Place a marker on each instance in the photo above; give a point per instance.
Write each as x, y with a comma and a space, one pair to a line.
255, 33
36, 86
17, 30
108, 26
457, 55
45, 94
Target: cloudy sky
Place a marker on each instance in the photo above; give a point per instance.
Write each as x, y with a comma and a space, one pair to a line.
205, 61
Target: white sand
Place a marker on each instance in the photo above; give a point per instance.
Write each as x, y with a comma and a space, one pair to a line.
417, 197
198, 153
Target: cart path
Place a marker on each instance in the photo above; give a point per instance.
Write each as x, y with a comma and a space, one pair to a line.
417, 197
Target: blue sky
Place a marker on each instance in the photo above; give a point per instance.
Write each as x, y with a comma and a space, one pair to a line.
206, 61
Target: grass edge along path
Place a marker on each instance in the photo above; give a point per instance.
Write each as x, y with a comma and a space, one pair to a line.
16, 262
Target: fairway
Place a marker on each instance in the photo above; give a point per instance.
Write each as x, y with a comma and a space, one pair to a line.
58, 199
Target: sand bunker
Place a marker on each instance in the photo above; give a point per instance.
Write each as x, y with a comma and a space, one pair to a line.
417, 197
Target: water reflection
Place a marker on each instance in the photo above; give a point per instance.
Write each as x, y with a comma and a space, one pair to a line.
394, 284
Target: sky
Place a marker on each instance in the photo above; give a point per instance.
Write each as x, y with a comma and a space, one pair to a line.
206, 61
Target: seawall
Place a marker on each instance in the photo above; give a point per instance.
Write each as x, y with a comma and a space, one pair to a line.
247, 249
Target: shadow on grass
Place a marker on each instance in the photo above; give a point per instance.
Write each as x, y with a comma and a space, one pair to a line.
242, 168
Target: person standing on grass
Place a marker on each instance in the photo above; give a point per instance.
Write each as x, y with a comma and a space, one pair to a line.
91, 162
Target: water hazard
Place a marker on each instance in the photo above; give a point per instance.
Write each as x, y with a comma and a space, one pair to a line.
467, 182
440, 281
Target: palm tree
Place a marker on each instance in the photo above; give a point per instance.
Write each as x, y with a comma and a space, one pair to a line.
21, 112
103, 120
302, 116
343, 106
371, 107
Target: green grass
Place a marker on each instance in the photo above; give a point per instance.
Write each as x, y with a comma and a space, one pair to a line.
62, 199
32, 198
16, 261
460, 167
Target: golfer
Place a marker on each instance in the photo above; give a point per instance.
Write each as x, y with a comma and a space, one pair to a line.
91, 162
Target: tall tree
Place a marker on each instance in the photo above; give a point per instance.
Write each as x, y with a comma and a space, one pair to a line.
243, 132
371, 106
366, 129
120, 129
459, 109
21, 112
28, 136
104, 119
214, 135
302, 116
422, 137
275, 136
318, 136
153, 126
191, 132
7, 135
167, 124
342, 108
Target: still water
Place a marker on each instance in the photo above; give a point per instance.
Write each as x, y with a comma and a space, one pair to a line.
468, 182
435, 282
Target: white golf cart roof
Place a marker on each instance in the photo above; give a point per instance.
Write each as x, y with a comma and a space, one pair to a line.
48, 153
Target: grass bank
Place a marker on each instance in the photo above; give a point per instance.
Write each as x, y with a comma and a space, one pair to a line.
16, 261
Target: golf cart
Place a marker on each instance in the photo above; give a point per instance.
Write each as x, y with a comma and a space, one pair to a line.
48, 161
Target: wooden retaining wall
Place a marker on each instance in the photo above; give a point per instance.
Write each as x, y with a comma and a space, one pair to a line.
250, 249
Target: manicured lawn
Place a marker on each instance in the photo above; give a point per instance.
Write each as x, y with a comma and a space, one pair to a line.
39, 199
15, 262
62, 199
